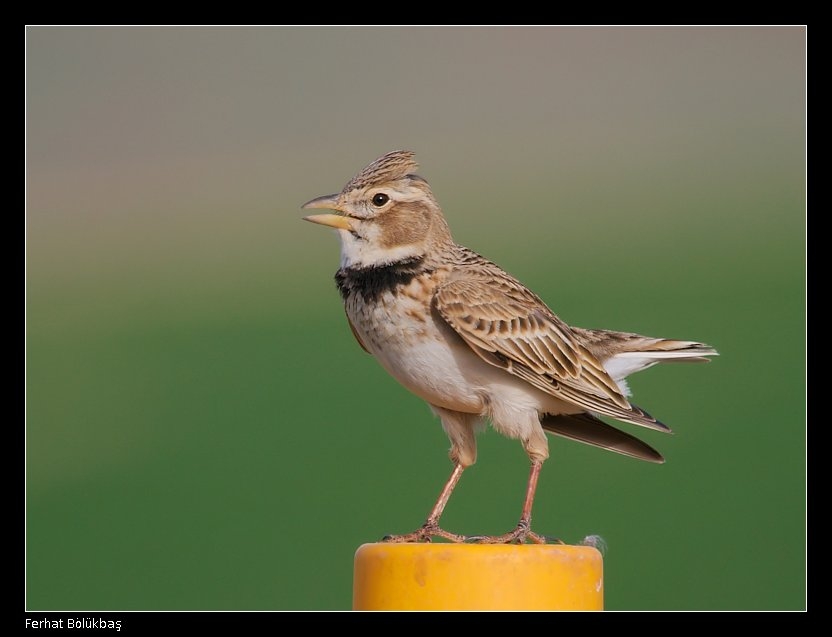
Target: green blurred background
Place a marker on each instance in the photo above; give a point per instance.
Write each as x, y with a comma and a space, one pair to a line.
204, 433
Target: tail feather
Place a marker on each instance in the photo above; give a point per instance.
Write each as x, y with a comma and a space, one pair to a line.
606, 344
590, 430
674, 345
683, 359
666, 349
621, 354
638, 353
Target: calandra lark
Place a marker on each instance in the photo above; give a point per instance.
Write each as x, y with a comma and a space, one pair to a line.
475, 343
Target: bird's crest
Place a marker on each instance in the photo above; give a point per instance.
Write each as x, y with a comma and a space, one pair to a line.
394, 165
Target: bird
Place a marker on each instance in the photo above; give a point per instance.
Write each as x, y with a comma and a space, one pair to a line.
475, 343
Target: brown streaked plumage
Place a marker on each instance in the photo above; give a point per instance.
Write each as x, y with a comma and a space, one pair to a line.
474, 342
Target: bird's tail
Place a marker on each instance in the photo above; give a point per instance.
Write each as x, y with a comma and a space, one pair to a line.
622, 353
590, 430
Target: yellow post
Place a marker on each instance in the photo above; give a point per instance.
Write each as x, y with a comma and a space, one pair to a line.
477, 577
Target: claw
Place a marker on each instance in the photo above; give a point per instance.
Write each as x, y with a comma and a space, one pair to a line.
519, 535
424, 534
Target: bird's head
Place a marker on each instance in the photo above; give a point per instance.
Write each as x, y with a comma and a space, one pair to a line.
385, 214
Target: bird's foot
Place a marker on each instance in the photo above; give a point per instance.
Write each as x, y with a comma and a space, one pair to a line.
519, 535
425, 533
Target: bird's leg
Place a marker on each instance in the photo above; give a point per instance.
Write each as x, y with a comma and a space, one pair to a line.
523, 531
431, 526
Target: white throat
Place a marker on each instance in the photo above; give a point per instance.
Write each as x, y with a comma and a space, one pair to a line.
360, 253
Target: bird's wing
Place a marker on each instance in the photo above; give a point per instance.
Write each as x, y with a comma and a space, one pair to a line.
510, 327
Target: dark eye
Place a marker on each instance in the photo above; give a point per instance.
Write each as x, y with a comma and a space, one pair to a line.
380, 199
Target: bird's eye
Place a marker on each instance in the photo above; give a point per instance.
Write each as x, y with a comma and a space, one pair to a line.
380, 199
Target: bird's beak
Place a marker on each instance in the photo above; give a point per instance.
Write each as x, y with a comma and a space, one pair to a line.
328, 202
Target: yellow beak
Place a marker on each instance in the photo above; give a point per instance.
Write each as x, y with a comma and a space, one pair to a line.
328, 202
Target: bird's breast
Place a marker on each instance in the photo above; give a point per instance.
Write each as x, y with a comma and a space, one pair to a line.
398, 327
428, 358
390, 309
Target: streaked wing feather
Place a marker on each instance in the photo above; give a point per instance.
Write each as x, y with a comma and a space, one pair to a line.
634, 415
508, 326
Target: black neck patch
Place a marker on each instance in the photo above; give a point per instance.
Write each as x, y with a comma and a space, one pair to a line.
372, 282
